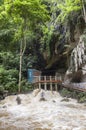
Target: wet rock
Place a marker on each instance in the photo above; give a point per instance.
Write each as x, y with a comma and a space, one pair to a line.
3, 94
42, 96
35, 92
65, 100
1, 97
18, 99
4, 106
42, 99
53, 101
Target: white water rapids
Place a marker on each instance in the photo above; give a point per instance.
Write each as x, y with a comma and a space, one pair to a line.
33, 114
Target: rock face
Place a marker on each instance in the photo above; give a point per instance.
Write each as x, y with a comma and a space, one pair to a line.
77, 56
76, 71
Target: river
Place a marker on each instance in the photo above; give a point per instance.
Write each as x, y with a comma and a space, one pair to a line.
33, 114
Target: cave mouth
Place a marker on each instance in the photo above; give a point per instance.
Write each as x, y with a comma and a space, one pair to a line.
48, 72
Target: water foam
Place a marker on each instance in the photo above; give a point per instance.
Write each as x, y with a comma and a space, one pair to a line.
33, 114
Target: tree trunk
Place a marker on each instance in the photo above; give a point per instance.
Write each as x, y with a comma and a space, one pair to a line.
84, 10
22, 50
20, 68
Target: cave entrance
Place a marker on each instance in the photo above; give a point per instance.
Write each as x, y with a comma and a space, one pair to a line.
48, 72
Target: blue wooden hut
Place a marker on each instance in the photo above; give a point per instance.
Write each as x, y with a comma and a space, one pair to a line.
33, 74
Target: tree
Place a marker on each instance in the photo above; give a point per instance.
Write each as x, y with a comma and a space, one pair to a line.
68, 6
84, 9
23, 15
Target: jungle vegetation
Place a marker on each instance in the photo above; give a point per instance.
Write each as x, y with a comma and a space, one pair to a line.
32, 34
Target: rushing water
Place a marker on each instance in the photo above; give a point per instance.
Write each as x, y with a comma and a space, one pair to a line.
33, 114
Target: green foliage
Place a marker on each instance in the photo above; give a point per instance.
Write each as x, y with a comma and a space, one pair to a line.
82, 99
80, 96
1, 2
25, 86
9, 60
8, 79
25, 21
45, 40
67, 7
28, 13
65, 93
9, 71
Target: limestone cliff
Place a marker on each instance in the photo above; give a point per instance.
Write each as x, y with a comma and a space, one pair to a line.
68, 48
77, 65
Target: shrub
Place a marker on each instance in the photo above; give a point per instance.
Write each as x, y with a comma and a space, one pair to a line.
26, 86
8, 79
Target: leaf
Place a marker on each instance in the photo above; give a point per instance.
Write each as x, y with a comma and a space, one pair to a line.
67, 7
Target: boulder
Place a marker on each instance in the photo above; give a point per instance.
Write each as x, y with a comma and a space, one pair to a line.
3, 94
